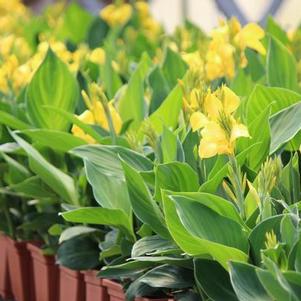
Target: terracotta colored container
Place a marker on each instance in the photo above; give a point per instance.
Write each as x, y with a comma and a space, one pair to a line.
5, 287
20, 270
95, 290
45, 274
116, 292
72, 285
114, 289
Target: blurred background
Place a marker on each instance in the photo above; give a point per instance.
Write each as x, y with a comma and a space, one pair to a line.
207, 12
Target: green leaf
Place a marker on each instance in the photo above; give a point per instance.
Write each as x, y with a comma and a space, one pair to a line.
101, 216
257, 237
214, 280
159, 86
58, 181
12, 122
194, 245
284, 126
276, 31
262, 97
127, 269
131, 104
76, 23
222, 230
259, 131
79, 253
167, 114
97, 32
145, 208
246, 284
150, 244
175, 176
54, 85
75, 231
105, 173
57, 140
174, 67
281, 66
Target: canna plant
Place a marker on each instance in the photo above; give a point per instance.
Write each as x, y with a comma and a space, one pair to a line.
154, 158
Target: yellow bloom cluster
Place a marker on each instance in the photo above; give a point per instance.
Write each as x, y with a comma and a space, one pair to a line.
219, 128
96, 114
116, 14
150, 26
227, 46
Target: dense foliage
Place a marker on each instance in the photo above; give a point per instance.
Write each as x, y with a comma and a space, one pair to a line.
168, 162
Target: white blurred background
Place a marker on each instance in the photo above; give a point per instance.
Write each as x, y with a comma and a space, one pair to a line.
204, 12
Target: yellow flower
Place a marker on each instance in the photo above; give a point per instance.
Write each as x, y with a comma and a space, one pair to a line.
116, 15
220, 60
96, 113
97, 56
86, 117
219, 129
249, 37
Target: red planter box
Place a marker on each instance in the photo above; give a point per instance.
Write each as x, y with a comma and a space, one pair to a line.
95, 290
45, 274
20, 270
72, 285
5, 287
116, 293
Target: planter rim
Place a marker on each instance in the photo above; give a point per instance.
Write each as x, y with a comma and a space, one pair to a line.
37, 254
91, 277
70, 272
112, 284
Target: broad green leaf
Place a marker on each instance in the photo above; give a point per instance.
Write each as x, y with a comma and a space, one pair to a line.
85, 257
159, 86
75, 231
128, 269
262, 97
54, 85
101, 216
246, 284
72, 29
194, 245
214, 280
149, 244
97, 32
105, 173
144, 206
12, 122
58, 181
276, 31
174, 67
281, 66
257, 237
57, 140
131, 104
284, 126
33, 187
167, 114
259, 131
175, 176
272, 286
222, 230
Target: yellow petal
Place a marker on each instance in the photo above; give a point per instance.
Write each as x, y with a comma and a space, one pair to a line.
231, 100
213, 106
198, 121
249, 36
207, 149
239, 130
